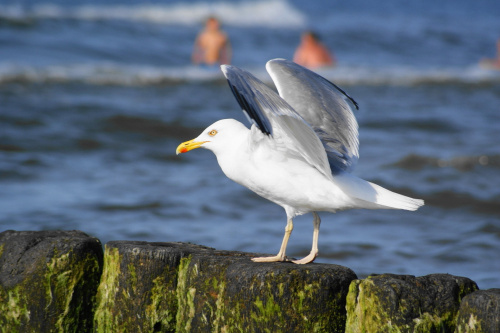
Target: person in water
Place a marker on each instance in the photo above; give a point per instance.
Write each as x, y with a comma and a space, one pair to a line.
492, 63
312, 53
212, 45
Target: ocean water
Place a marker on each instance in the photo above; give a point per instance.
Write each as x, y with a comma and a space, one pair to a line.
96, 95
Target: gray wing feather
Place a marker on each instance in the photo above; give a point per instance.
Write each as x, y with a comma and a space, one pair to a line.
324, 106
276, 118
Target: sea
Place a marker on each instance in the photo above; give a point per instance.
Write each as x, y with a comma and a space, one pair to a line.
95, 96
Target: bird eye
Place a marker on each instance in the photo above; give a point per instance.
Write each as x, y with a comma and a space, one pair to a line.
212, 132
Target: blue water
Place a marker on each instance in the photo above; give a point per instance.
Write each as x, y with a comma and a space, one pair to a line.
95, 96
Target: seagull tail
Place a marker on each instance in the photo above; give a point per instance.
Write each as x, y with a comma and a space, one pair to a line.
375, 194
394, 200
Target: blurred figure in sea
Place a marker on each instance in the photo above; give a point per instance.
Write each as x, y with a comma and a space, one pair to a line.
312, 53
492, 63
212, 45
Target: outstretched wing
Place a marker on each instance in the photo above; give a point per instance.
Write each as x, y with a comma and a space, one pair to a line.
276, 118
325, 108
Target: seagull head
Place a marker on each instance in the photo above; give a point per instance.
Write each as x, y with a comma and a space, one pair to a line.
218, 137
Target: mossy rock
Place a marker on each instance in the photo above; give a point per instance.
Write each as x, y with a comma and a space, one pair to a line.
480, 312
48, 280
176, 287
138, 290
225, 291
404, 303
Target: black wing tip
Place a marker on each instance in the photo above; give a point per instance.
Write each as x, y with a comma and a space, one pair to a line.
342, 92
353, 102
249, 110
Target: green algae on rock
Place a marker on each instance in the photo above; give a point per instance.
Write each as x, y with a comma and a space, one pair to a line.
480, 312
224, 291
404, 303
51, 281
138, 289
48, 280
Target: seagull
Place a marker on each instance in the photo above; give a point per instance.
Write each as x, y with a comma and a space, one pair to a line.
299, 151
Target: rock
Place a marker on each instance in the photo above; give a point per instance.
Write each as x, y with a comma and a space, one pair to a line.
404, 303
226, 292
51, 281
480, 312
167, 287
48, 280
138, 290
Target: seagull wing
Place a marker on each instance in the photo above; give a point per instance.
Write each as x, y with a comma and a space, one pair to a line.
276, 118
325, 108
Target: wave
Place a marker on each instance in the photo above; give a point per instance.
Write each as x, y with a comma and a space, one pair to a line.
462, 163
458, 200
143, 75
459, 191
107, 74
275, 13
356, 75
147, 126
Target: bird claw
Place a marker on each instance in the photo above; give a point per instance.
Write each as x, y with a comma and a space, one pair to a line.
271, 259
306, 260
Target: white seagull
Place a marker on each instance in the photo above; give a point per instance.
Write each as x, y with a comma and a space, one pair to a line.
299, 151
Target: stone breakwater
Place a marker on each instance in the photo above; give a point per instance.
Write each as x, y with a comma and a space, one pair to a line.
63, 281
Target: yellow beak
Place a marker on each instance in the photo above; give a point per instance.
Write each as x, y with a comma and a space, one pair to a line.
188, 145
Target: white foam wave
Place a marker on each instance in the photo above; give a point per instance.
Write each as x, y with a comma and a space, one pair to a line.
274, 13
353, 75
107, 74
120, 74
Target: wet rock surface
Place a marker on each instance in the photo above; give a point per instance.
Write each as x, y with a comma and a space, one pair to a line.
61, 281
406, 303
48, 280
480, 312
